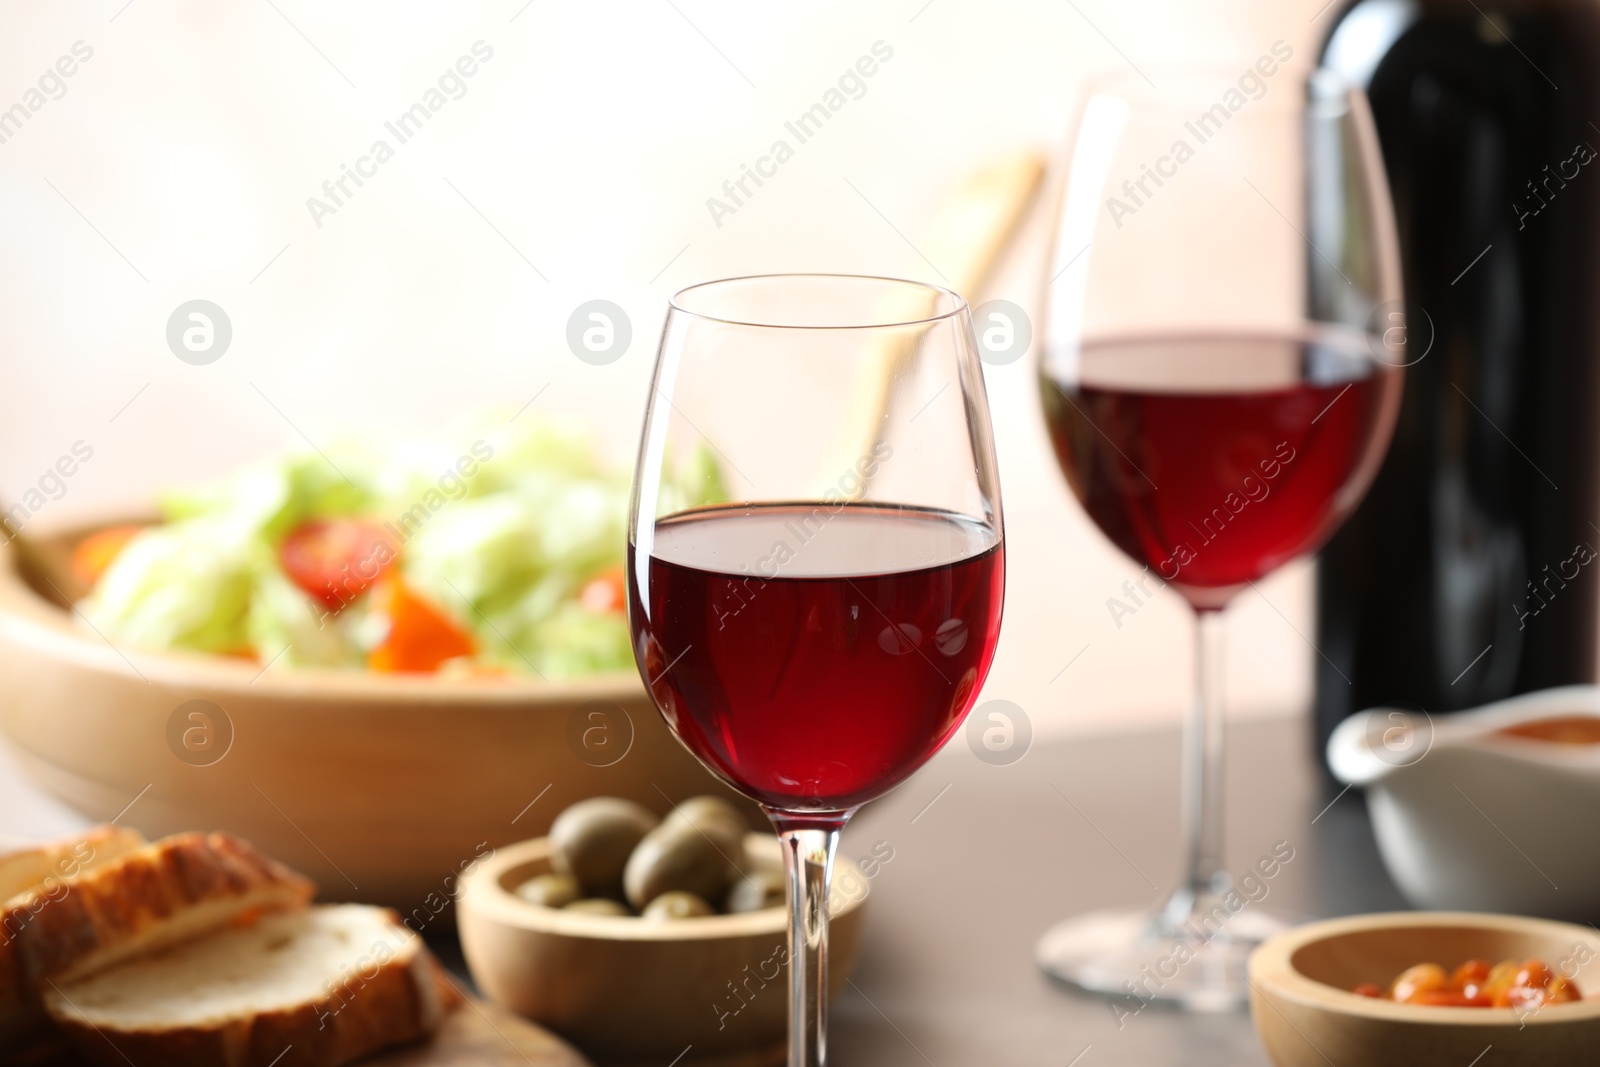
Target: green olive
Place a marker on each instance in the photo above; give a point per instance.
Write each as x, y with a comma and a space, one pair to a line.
598, 906
717, 818
677, 905
761, 887
592, 841
678, 855
761, 859
550, 890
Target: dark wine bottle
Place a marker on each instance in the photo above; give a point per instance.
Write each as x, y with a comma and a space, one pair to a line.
1468, 572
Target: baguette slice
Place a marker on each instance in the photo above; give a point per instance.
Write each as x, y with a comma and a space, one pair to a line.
316, 988
41, 869
176, 889
28, 869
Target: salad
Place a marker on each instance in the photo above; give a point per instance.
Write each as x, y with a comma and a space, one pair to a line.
505, 557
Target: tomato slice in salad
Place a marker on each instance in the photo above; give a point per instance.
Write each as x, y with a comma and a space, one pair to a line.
420, 637
604, 592
336, 560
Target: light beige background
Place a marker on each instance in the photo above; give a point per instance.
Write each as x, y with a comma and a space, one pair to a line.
178, 163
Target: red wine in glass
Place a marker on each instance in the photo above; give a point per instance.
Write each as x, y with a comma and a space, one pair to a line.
1214, 460
815, 655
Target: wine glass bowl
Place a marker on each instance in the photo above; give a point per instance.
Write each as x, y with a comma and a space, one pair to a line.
1213, 459
825, 685
816, 558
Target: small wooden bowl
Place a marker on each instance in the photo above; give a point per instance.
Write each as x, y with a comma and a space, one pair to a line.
1306, 1016
381, 787
627, 991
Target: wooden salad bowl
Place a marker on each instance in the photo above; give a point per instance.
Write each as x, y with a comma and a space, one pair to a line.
1305, 1014
384, 788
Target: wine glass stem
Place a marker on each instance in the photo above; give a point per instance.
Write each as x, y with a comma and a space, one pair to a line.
1202, 761
808, 860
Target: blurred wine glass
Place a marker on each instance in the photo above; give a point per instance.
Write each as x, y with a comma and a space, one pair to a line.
1220, 378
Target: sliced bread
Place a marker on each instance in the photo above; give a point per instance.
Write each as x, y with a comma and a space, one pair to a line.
29, 877
316, 988
162, 894
27, 869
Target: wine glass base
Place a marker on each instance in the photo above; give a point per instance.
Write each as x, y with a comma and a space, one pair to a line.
1139, 957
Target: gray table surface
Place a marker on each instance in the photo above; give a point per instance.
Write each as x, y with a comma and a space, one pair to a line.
947, 975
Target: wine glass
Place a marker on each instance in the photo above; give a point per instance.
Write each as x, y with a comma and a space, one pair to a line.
1220, 377
815, 562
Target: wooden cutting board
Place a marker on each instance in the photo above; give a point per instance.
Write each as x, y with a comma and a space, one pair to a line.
476, 1035
483, 1035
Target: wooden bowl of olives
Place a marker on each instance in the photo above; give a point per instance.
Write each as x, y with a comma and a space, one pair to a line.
636, 936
